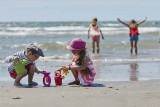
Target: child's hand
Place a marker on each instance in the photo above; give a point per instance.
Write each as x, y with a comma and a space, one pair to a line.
88, 36
146, 18
118, 19
41, 72
16, 59
102, 37
65, 67
59, 69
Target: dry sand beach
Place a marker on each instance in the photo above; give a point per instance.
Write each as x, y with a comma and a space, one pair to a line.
108, 94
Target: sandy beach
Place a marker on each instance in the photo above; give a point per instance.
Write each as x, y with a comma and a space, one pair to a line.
122, 79
108, 94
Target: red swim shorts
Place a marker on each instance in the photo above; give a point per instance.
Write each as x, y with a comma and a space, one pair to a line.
13, 74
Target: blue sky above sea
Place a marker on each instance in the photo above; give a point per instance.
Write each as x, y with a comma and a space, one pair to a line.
78, 10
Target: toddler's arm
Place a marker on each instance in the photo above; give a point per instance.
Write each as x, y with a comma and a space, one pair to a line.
10, 59
78, 67
101, 34
89, 31
38, 71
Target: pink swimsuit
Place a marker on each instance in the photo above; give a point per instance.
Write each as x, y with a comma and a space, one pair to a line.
94, 32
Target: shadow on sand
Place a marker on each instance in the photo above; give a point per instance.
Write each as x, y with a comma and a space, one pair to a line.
93, 85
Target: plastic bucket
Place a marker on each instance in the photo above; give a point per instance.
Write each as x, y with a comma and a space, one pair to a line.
58, 78
20, 66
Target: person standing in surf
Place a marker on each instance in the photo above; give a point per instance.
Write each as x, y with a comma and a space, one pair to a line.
133, 33
94, 32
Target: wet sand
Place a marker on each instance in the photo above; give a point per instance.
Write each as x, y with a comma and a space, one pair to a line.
104, 94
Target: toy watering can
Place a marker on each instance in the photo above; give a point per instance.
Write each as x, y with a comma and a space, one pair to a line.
58, 78
46, 79
19, 66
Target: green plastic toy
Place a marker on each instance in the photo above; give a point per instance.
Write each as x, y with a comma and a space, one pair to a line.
20, 66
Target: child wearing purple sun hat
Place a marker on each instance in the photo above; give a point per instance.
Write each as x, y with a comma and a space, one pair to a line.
81, 65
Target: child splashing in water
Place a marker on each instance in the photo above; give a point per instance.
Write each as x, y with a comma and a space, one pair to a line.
81, 66
134, 33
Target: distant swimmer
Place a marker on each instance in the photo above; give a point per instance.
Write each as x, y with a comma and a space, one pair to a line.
134, 33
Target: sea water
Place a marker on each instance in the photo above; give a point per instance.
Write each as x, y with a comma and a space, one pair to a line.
114, 63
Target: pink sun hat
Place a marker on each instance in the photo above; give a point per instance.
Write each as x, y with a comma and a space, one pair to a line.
77, 44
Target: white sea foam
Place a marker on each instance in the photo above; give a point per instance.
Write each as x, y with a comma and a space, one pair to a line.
68, 57
132, 60
65, 57
61, 43
22, 31
111, 24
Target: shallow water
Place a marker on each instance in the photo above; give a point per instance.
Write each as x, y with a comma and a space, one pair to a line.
114, 63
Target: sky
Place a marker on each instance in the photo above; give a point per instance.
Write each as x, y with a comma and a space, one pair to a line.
78, 10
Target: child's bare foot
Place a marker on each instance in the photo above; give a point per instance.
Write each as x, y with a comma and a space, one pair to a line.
17, 84
32, 83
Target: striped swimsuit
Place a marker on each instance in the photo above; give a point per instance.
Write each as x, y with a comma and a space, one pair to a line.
85, 79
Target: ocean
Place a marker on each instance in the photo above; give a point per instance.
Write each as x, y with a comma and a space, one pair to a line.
114, 63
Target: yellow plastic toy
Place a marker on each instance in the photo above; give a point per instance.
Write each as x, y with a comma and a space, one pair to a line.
65, 72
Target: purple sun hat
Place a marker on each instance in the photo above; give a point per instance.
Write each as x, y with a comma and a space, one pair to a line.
77, 44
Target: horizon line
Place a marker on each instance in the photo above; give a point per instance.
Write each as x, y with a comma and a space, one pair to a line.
70, 21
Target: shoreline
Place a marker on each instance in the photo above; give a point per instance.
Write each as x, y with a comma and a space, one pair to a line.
113, 94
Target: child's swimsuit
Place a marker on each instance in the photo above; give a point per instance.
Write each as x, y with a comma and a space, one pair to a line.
85, 79
21, 55
94, 32
134, 34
